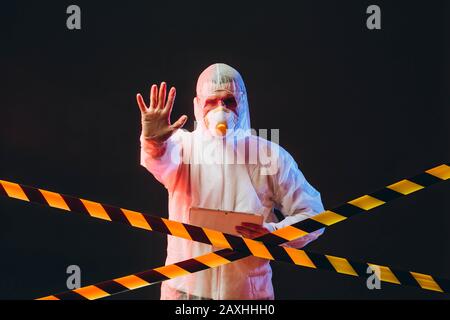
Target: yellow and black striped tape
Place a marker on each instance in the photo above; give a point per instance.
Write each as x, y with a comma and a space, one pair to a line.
263, 247
301, 257
146, 278
247, 246
362, 204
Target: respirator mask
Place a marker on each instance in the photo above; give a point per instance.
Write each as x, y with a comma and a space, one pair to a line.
219, 120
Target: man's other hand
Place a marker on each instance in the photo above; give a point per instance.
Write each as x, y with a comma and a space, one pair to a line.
251, 230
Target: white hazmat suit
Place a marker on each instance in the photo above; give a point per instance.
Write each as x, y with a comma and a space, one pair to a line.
200, 169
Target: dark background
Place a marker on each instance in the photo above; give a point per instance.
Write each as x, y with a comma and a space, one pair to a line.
358, 109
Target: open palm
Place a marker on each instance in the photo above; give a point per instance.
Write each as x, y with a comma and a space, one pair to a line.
155, 118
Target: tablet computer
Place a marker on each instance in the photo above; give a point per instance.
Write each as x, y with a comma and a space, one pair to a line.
224, 221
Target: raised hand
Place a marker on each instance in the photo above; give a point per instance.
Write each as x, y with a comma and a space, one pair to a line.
155, 118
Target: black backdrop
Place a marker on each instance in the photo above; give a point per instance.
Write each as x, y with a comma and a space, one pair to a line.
357, 109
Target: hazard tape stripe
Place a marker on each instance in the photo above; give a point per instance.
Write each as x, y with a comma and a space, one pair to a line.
124, 216
361, 204
302, 258
358, 205
109, 213
267, 249
14, 190
247, 246
146, 278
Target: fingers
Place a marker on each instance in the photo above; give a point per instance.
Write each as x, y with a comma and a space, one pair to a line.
170, 100
153, 96
253, 226
248, 233
141, 103
157, 98
162, 96
251, 230
179, 123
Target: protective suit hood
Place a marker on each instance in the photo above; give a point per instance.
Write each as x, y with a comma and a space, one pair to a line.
219, 77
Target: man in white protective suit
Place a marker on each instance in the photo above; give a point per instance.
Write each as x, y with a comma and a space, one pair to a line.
222, 166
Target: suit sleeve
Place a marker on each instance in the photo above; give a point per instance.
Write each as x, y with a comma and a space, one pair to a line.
162, 161
295, 198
